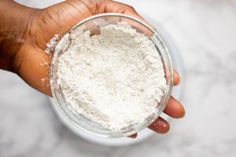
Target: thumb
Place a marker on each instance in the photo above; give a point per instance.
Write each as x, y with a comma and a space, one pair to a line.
59, 18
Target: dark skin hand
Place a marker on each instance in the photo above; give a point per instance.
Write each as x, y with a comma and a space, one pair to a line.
25, 33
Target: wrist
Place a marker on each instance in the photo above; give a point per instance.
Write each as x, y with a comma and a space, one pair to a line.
14, 22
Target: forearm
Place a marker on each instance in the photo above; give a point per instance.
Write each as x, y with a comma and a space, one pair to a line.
14, 20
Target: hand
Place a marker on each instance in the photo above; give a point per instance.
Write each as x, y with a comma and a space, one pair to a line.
31, 62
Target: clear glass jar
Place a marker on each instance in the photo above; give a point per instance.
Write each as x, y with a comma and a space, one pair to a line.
93, 24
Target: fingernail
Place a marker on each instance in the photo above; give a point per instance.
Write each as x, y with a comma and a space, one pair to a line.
133, 136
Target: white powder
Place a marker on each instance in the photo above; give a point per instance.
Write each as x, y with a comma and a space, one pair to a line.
52, 44
115, 79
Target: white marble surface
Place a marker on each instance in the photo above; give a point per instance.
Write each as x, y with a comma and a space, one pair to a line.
204, 31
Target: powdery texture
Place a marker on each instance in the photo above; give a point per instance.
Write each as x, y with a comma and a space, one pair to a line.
115, 78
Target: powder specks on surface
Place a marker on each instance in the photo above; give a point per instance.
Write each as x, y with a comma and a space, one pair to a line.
115, 78
51, 44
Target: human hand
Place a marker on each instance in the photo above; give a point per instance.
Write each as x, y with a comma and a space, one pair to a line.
31, 62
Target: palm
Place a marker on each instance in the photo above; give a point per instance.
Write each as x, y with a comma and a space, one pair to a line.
45, 23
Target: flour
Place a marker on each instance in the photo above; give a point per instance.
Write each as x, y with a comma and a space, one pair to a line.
52, 44
115, 79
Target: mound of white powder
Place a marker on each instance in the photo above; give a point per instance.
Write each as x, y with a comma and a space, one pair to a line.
115, 79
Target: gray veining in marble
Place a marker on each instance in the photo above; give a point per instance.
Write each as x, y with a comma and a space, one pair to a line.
205, 32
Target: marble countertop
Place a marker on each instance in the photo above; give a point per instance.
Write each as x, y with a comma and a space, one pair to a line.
204, 31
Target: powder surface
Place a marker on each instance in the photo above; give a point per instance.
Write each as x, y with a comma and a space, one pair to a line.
115, 79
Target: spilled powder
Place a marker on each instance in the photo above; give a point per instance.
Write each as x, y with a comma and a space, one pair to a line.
52, 44
115, 79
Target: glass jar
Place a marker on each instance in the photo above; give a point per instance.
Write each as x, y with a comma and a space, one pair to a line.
93, 24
